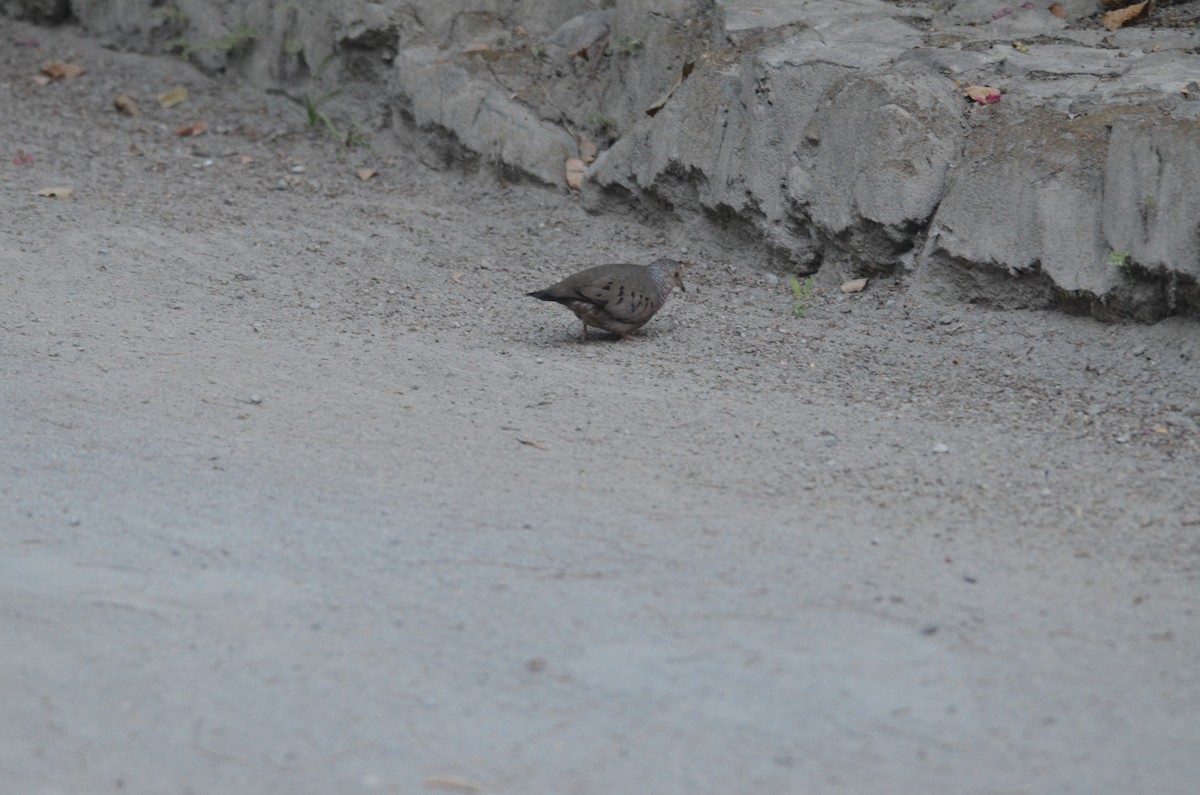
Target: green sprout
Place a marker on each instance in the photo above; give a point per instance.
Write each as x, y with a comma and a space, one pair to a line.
802, 292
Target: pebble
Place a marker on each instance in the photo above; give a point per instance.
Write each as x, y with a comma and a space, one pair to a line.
298, 169
939, 448
772, 279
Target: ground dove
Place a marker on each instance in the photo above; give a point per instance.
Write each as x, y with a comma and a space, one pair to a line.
617, 298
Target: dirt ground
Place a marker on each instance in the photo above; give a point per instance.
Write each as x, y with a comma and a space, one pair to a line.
299, 493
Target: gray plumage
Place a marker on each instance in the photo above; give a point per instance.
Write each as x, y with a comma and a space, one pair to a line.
619, 298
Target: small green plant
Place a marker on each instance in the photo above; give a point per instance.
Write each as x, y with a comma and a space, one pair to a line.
1149, 202
171, 13
537, 51
316, 117
355, 136
603, 124
1119, 259
232, 41
802, 293
630, 46
293, 46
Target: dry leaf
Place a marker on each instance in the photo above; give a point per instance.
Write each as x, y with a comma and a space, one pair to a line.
169, 99
855, 286
679, 78
532, 443
126, 104
41, 80
476, 46
1020, 46
453, 783
1124, 16
366, 173
56, 193
57, 69
984, 95
247, 160
575, 169
189, 130
587, 150
1058, 11
457, 277
520, 32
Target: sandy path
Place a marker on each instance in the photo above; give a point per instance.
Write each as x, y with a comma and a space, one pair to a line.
299, 494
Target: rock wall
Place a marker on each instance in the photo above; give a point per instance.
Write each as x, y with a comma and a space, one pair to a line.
833, 137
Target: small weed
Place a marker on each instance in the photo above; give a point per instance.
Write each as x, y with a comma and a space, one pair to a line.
603, 124
316, 118
293, 46
1119, 259
171, 13
630, 46
355, 137
232, 41
1149, 202
537, 51
802, 292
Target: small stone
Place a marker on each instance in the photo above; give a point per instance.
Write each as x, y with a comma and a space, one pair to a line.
298, 169
939, 448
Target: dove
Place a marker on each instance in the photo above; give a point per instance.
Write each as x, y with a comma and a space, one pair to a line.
620, 297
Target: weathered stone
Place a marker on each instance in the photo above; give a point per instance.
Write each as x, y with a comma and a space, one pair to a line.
832, 135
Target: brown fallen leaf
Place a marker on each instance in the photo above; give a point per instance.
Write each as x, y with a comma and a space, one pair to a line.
532, 443
57, 69
575, 169
457, 277
587, 150
1058, 11
188, 130
984, 95
169, 99
855, 286
1124, 16
366, 173
679, 78
247, 160
56, 193
41, 80
127, 105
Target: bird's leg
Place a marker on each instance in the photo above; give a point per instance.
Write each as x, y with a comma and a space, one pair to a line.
584, 337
